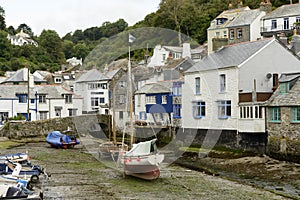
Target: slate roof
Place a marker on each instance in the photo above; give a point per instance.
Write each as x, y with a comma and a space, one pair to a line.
292, 98
288, 77
91, 75
155, 88
52, 91
186, 64
284, 11
112, 73
244, 18
229, 56
18, 76
230, 15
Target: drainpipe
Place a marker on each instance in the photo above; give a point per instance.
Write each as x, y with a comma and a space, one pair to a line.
49, 109
12, 107
36, 108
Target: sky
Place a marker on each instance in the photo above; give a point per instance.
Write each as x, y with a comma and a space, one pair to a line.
66, 16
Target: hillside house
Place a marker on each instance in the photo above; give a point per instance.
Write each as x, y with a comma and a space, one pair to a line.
281, 21
234, 26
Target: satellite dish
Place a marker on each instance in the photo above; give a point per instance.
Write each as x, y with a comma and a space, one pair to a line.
269, 75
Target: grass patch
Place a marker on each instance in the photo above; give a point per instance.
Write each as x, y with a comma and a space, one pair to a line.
193, 149
9, 144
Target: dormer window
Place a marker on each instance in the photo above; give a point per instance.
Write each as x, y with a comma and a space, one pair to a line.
284, 87
221, 21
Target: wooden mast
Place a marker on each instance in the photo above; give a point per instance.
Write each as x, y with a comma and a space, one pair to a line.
130, 96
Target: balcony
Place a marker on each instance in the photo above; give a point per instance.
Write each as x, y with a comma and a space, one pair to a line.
269, 31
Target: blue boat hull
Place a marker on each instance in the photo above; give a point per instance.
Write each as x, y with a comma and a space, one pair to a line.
57, 139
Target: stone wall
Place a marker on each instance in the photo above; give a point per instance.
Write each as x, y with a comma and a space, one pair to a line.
284, 138
19, 129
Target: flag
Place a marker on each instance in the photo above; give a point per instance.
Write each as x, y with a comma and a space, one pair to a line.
131, 38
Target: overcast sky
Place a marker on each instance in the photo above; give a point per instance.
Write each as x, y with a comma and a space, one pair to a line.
66, 16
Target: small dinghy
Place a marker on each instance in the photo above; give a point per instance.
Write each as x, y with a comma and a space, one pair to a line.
59, 140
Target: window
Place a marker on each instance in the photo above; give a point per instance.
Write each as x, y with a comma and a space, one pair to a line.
295, 114
284, 87
177, 89
68, 98
72, 112
102, 100
58, 80
274, 24
121, 115
94, 101
164, 99
32, 101
275, 114
224, 109
231, 34
221, 21
197, 82
176, 111
297, 19
251, 112
94, 86
239, 33
57, 111
122, 99
199, 109
43, 115
275, 81
222, 83
150, 99
286, 24
143, 115
217, 34
42, 98
22, 98
225, 33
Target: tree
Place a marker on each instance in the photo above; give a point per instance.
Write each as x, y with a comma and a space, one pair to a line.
78, 36
68, 48
5, 45
2, 19
51, 42
92, 33
11, 30
25, 28
80, 50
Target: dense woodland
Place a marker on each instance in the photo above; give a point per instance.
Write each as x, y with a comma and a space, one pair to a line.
190, 17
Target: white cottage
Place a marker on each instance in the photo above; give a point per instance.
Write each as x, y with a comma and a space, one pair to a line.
224, 91
45, 102
282, 20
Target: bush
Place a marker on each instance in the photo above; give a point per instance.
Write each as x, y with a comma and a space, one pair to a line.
18, 117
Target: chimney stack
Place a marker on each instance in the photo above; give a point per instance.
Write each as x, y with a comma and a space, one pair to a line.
186, 50
295, 43
240, 4
266, 6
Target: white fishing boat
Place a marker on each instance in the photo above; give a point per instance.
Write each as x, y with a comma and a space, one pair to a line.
143, 159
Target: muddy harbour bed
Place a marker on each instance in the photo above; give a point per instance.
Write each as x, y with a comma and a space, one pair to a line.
77, 174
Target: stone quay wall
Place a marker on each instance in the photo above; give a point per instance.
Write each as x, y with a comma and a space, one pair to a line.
40, 128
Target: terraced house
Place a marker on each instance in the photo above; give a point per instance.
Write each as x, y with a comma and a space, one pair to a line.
283, 118
223, 93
